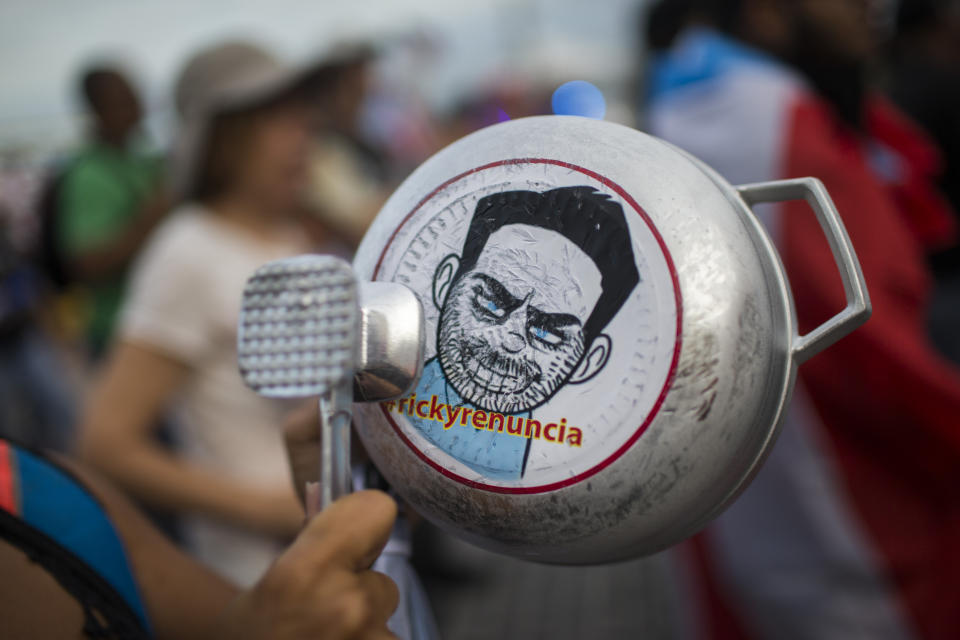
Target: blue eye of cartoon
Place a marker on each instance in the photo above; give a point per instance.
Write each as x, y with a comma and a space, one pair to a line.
488, 305
546, 336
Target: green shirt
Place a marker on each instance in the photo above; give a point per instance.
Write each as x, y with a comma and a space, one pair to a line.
100, 196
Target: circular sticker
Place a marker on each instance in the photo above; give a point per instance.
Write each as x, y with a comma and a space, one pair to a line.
553, 321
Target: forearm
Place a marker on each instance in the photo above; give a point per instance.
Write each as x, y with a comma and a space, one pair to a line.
136, 387
114, 256
162, 480
185, 601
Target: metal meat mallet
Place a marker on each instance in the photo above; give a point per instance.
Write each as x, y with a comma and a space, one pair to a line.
304, 333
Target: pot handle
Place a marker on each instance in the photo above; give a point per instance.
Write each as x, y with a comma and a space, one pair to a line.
858, 307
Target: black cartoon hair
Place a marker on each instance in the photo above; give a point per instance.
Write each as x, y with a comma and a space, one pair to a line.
586, 217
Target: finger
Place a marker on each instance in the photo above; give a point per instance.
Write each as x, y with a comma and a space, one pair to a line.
350, 533
383, 595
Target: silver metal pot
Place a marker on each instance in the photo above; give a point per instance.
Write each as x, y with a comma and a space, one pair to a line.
611, 339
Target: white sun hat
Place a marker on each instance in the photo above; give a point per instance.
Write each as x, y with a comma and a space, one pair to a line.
226, 77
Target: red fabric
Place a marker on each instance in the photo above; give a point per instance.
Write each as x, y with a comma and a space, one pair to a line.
719, 621
890, 404
914, 190
8, 493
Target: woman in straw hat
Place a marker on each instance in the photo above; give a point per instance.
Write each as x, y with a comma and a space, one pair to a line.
239, 167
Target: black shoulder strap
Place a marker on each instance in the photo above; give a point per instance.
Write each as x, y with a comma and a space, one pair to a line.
107, 615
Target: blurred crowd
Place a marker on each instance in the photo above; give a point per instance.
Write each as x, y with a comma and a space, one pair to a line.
121, 270
848, 529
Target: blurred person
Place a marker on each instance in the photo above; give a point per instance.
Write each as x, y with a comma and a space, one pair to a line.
663, 21
78, 560
395, 117
925, 77
925, 82
658, 26
849, 529
239, 168
21, 179
504, 97
347, 175
103, 204
37, 403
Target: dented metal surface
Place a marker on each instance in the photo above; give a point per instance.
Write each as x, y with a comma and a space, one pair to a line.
672, 464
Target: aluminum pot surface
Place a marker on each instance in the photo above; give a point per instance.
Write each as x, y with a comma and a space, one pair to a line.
611, 339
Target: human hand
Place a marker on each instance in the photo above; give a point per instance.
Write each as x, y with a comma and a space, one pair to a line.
302, 436
322, 587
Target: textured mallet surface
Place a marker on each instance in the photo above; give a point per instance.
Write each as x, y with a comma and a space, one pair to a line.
298, 326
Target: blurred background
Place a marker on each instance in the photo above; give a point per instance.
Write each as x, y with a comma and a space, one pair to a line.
435, 72
460, 48
131, 168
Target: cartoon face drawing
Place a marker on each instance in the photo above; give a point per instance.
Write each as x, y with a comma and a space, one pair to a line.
523, 307
511, 331
552, 312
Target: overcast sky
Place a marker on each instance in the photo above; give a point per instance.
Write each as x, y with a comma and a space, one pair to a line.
44, 42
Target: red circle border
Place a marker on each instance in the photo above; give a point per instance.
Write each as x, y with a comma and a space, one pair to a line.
673, 363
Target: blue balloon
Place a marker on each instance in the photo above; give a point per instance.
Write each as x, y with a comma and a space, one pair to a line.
579, 98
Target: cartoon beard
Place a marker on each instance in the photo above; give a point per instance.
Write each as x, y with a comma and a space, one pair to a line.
491, 378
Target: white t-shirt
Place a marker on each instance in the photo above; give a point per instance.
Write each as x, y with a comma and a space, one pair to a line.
184, 300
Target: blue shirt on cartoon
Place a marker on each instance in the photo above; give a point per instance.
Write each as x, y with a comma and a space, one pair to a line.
498, 456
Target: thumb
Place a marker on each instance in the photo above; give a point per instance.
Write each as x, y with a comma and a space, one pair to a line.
350, 533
